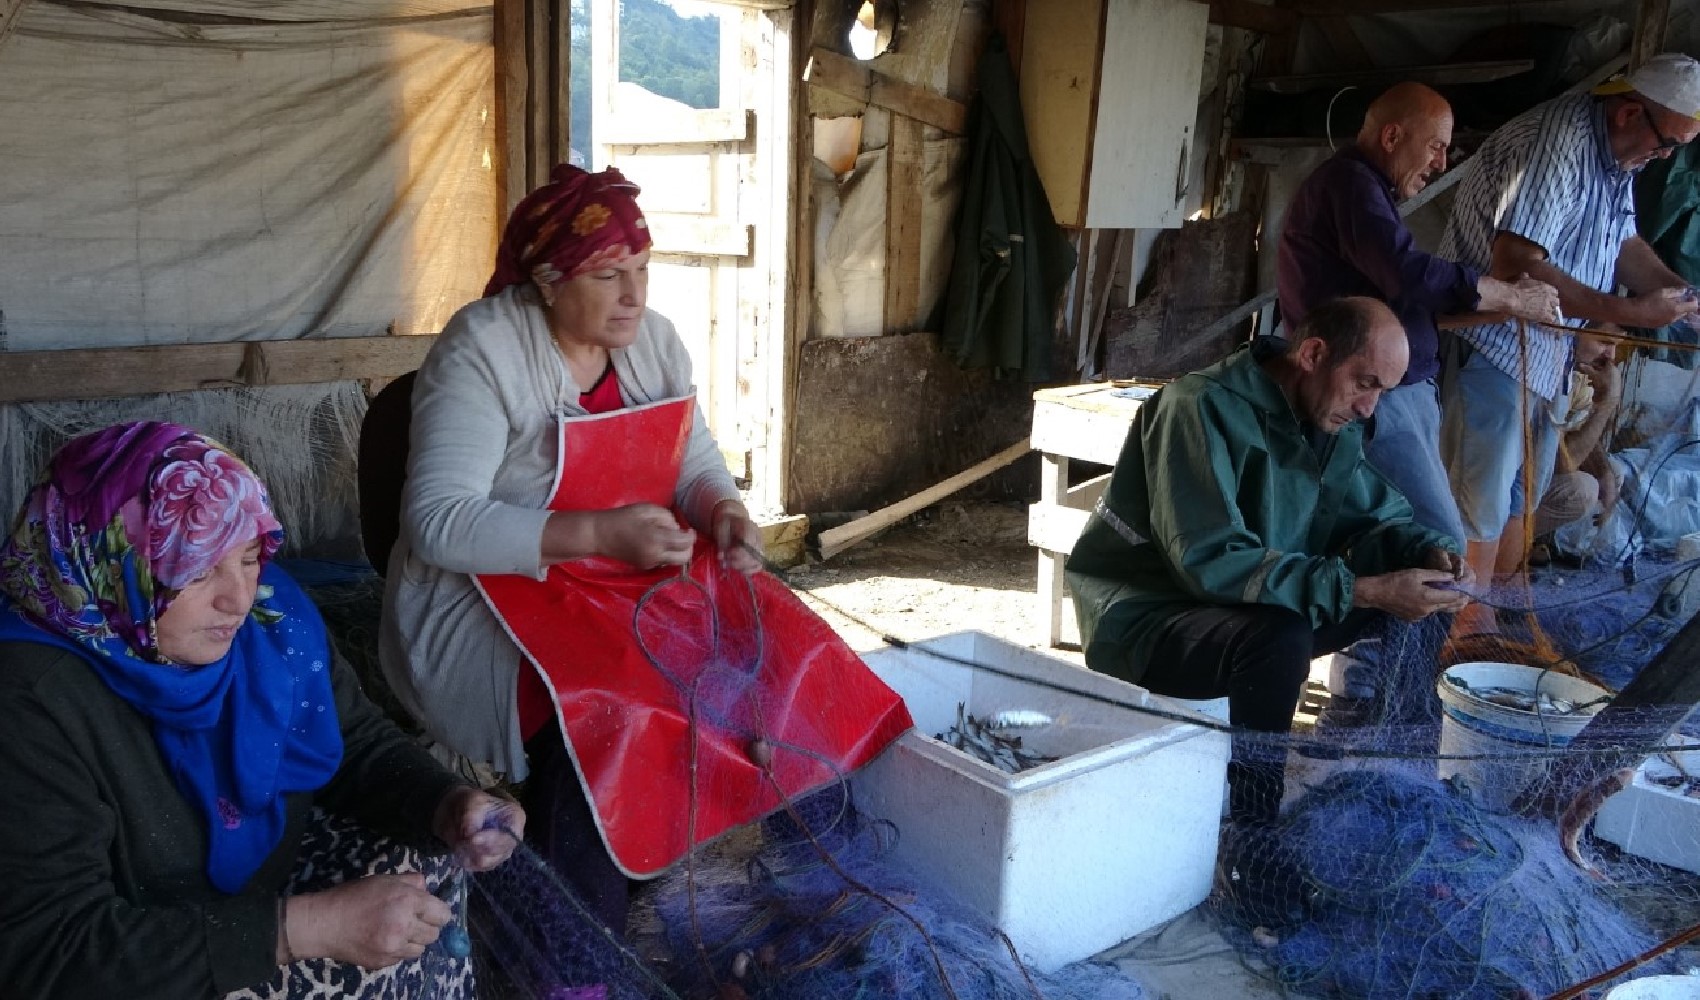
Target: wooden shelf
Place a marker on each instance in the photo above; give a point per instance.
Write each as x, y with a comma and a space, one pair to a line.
1435, 75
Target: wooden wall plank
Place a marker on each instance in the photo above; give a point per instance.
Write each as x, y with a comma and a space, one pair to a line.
905, 164
712, 126
687, 234
101, 373
845, 76
1260, 17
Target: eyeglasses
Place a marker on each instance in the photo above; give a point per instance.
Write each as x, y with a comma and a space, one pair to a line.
1666, 143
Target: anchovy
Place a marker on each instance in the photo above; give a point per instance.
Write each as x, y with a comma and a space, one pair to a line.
1018, 718
982, 741
1580, 812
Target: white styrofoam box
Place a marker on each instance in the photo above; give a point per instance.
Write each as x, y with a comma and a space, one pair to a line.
1115, 837
1651, 821
1682, 594
1216, 708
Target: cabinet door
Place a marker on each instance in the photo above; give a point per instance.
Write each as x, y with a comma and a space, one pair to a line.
1147, 102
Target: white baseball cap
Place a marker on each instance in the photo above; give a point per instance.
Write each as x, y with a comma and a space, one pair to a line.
1670, 79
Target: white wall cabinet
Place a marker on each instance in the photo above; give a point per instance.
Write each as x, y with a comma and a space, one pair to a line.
1109, 93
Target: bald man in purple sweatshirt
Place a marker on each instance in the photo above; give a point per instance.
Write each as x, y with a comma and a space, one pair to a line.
1344, 236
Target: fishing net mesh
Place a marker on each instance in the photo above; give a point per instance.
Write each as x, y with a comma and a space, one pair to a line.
1421, 851
299, 439
1518, 818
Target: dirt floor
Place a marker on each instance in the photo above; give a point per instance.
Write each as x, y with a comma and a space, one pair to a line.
952, 567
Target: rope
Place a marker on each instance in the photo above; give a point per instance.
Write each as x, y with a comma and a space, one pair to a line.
1669, 944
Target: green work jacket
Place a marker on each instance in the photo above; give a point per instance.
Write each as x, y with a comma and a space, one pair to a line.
1219, 498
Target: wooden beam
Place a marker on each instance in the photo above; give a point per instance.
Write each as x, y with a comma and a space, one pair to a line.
688, 234
836, 540
1348, 48
905, 156
9, 10
1650, 708
1325, 8
784, 541
1437, 74
103, 373
707, 127
845, 76
1263, 18
1652, 18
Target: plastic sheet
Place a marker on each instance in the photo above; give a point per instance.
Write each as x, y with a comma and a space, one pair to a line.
693, 701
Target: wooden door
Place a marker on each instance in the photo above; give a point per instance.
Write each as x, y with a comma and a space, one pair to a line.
716, 186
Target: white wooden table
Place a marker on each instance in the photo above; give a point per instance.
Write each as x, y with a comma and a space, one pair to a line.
1084, 422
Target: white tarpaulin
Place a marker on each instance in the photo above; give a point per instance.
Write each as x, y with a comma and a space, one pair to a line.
236, 169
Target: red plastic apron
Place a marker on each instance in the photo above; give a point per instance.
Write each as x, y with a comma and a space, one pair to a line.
632, 656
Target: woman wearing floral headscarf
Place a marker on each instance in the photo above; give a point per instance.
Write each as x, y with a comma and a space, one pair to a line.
172, 712
559, 463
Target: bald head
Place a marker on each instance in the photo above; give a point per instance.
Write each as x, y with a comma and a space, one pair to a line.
1345, 354
1406, 133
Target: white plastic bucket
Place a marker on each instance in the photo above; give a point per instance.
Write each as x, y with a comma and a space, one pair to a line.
1472, 725
1658, 988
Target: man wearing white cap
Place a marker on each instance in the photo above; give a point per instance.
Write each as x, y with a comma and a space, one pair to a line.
1550, 194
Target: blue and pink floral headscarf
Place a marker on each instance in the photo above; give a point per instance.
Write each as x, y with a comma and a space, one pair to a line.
123, 520
577, 223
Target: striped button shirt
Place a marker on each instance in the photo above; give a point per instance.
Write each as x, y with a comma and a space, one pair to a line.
1548, 176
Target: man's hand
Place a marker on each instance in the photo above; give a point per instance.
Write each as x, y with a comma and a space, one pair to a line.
1594, 357
1527, 297
481, 829
1610, 486
1444, 561
1664, 307
1410, 594
1452, 564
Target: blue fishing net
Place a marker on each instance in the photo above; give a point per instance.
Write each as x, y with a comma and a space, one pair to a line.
1422, 893
1391, 881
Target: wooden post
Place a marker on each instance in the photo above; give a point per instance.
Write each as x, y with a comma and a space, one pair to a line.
560, 86
512, 177
801, 291
1651, 20
905, 154
1053, 484
1643, 714
533, 95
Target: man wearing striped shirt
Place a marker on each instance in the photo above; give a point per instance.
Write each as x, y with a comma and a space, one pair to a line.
1550, 195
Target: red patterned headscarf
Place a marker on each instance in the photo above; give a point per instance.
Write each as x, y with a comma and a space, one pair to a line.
577, 222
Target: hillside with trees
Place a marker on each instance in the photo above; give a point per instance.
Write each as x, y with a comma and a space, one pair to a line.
661, 51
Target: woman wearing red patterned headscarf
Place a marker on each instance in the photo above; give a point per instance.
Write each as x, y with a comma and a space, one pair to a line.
560, 475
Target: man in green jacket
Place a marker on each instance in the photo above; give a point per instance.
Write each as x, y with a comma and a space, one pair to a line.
1243, 534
